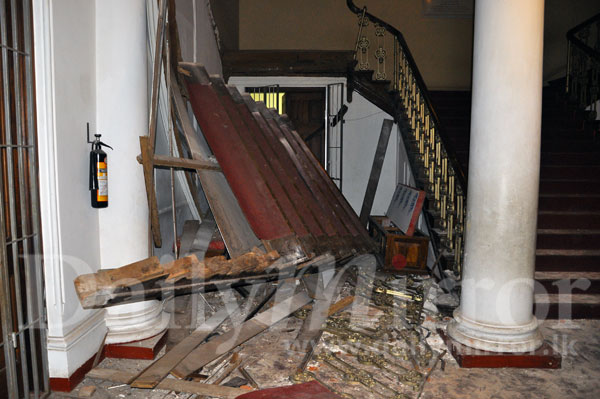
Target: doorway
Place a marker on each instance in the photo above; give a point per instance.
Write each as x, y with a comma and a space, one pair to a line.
306, 110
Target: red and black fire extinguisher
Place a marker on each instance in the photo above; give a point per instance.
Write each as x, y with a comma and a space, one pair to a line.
98, 172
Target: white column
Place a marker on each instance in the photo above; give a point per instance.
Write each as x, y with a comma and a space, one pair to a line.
495, 313
122, 116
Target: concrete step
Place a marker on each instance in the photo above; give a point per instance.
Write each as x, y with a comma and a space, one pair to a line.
564, 203
567, 260
571, 158
555, 186
566, 220
579, 241
557, 306
570, 172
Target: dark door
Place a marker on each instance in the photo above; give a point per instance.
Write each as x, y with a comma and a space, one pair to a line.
306, 110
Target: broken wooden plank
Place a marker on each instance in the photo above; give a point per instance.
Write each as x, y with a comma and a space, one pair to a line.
382, 145
166, 161
97, 289
170, 384
222, 344
150, 189
203, 236
190, 228
237, 234
151, 377
156, 72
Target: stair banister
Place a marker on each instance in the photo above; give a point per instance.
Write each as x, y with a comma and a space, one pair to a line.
434, 160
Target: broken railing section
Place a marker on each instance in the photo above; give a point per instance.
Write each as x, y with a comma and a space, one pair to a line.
288, 200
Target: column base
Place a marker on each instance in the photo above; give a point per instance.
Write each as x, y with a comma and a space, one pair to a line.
524, 338
543, 358
135, 322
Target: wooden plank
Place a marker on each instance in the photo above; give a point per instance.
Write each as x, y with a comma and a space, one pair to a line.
283, 163
223, 134
222, 344
327, 211
170, 384
287, 63
235, 229
98, 289
190, 177
190, 228
150, 189
382, 145
362, 241
151, 377
156, 70
248, 133
203, 237
180, 163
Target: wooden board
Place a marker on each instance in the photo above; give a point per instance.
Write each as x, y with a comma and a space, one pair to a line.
166, 161
148, 167
170, 384
382, 144
151, 377
99, 289
235, 229
222, 344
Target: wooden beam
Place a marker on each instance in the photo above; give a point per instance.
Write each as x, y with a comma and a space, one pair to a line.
382, 144
147, 156
235, 229
152, 376
170, 384
225, 342
156, 71
166, 161
98, 289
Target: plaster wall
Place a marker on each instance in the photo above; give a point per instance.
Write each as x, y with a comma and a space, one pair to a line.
442, 47
66, 100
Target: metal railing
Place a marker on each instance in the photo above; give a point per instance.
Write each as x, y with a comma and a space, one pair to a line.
271, 95
583, 64
23, 336
432, 158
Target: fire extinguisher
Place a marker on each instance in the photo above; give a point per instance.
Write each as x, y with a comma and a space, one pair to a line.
98, 172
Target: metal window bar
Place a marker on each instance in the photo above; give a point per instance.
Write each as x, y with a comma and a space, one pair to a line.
21, 278
334, 142
271, 95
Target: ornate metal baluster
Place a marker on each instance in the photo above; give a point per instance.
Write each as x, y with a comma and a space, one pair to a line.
380, 53
362, 43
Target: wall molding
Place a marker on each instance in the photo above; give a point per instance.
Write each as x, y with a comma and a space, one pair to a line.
47, 155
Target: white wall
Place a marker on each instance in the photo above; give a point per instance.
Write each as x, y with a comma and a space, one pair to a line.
66, 100
361, 134
90, 67
122, 116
